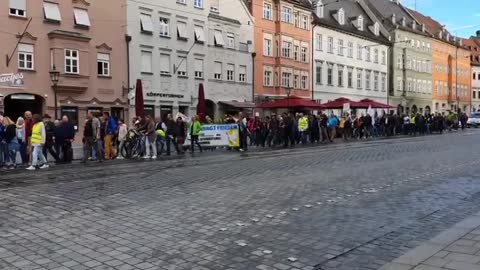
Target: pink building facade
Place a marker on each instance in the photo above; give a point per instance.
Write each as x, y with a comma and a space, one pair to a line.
84, 40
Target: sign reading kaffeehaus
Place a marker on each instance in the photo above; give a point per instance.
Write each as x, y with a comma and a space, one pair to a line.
11, 80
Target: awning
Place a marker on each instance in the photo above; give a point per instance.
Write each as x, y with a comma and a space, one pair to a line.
339, 102
375, 105
237, 104
81, 16
292, 102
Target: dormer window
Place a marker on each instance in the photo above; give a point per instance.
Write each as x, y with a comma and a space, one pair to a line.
394, 19
376, 29
440, 34
447, 37
404, 21
360, 23
414, 25
423, 28
341, 16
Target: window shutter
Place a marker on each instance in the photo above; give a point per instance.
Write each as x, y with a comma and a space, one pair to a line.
51, 11
183, 65
182, 30
199, 65
199, 33
164, 63
18, 4
218, 68
146, 61
219, 38
81, 16
146, 21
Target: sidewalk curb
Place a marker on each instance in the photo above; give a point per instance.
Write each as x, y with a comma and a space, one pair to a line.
416, 256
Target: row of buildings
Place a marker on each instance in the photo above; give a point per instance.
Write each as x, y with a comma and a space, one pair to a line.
243, 52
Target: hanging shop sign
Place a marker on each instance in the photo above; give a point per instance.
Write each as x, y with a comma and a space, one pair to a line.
11, 80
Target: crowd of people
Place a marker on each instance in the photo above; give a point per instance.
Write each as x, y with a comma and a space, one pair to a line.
290, 129
33, 137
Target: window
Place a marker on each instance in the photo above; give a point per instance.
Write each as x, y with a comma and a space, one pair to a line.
242, 74
286, 78
198, 3
71, 61
474, 93
165, 63
103, 64
287, 49
81, 17
359, 52
330, 74
146, 62
330, 44
295, 52
375, 81
350, 49
384, 58
376, 29
217, 71
267, 78
287, 14
384, 82
218, 38
25, 56
341, 16
198, 65
267, 11
296, 20
230, 72
319, 43
304, 82
304, 54
305, 22
367, 54
199, 34
367, 79
360, 23
18, 8
51, 12
182, 31
340, 47
350, 78
474, 74
375, 56
230, 41
318, 73
146, 24
340, 76
359, 78
182, 66
267, 47
165, 27
295, 81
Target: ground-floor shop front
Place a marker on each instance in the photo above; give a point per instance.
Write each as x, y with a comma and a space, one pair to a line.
411, 105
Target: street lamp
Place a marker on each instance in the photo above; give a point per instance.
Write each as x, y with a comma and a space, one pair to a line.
54, 76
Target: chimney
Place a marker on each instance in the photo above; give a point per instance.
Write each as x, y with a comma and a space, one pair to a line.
478, 34
320, 8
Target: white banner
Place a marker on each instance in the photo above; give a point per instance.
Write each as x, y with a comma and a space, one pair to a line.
219, 135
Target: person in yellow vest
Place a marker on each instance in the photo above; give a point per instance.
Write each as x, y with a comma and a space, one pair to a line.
38, 141
303, 127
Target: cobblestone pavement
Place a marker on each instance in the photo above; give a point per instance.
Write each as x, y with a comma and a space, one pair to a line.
343, 206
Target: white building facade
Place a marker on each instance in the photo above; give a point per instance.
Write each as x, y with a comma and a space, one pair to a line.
177, 45
475, 88
350, 54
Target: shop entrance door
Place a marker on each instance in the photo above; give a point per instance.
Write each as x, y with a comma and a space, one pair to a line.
17, 104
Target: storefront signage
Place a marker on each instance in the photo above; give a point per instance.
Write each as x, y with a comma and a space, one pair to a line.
11, 80
219, 135
165, 95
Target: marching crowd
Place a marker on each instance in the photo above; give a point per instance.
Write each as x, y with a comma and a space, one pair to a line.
32, 137
289, 129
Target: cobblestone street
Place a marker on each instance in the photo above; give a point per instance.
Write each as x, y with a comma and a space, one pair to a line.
344, 206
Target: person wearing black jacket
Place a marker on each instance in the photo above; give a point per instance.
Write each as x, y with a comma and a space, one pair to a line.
170, 132
64, 136
49, 143
180, 134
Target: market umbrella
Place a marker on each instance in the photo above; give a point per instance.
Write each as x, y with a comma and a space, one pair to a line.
202, 105
292, 102
338, 104
375, 104
139, 106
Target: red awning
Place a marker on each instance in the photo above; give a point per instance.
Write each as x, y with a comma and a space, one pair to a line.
338, 104
375, 104
292, 102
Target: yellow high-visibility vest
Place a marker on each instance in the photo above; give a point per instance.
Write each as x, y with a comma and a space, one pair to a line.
37, 137
303, 123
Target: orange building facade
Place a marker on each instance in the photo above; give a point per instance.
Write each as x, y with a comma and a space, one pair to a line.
283, 34
451, 77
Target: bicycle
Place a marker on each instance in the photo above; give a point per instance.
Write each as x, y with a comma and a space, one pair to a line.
134, 145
